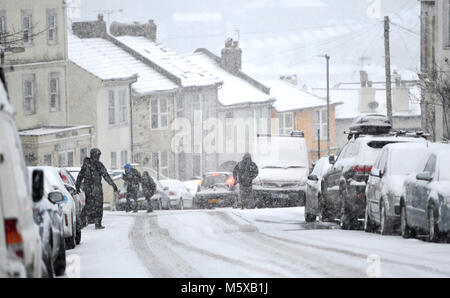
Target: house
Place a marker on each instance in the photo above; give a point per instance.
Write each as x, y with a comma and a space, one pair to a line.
299, 110
168, 87
367, 97
243, 107
435, 55
36, 75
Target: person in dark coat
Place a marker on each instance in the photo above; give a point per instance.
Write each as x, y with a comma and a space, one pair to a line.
132, 178
90, 177
149, 189
244, 173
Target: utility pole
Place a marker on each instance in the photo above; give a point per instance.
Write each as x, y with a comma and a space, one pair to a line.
388, 68
318, 144
328, 103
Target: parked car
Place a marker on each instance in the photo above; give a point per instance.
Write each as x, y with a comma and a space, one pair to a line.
216, 190
425, 201
159, 201
313, 203
344, 185
180, 197
20, 243
192, 185
384, 187
69, 206
283, 170
48, 215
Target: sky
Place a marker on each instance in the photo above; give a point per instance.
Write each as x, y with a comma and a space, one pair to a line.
281, 37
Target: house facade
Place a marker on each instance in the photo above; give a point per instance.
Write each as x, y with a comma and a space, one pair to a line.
36, 75
435, 55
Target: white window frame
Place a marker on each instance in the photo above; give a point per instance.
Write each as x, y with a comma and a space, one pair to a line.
27, 31
30, 78
47, 156
284, 130
65, 155
52, 29
123, 107
113, 157
179, 107
124, 157
322, 124
163, 169
159, 114
54, 76
111, 107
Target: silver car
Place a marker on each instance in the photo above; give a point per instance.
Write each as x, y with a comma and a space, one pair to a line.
384, 187
313, 190
425, 201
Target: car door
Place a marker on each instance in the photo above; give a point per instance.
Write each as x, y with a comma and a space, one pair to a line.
422, 192
373, 185
335, 172
313, 187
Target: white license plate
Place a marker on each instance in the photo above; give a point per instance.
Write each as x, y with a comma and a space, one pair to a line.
280, 196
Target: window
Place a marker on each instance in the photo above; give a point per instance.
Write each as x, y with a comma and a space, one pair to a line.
155, 160
286, 123
3, 30
163, 159
123, 108
113, 160
54, 92
48, 160
430, 167
179, 106
83, 155
27, 27
111, 108
65, 159
29, 99
320, 122
124, 157
159, 113
51, 26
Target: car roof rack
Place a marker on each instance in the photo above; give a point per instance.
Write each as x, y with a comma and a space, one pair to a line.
293, 133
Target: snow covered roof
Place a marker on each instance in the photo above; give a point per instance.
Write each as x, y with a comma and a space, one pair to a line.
108, 62
290, 98
348, 94
181, 66
48, 130
234, 90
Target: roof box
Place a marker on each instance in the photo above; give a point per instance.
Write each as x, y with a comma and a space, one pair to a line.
371, 124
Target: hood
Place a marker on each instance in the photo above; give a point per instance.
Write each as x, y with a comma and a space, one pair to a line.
283, 174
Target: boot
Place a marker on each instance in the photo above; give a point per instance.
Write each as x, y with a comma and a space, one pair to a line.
98, 225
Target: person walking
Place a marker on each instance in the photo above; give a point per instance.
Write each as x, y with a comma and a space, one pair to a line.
90, 177
132, 178
149, 189
244, 173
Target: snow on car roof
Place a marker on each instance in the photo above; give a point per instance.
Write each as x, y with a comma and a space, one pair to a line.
234, 90
190, 73
107, 61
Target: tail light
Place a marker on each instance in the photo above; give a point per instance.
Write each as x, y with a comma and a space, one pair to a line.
362, 169
172, 193
67, 221
122, 196
13, 237
230, 182
64, 178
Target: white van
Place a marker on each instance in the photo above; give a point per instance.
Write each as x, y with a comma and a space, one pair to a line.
283, 165
19, 235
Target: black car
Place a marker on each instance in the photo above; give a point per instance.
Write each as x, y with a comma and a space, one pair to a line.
344, 185
216, 190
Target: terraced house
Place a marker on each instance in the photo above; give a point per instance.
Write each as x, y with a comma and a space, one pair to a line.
34, 42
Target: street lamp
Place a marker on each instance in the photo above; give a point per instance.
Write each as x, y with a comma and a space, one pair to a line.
328, 102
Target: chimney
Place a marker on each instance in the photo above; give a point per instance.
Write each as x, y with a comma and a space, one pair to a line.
93, 29
291, 79
400, 95
231, 56
147, 30
366, 95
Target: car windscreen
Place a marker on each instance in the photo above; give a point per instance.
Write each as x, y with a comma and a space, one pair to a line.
404, 161
369, 153
211, 181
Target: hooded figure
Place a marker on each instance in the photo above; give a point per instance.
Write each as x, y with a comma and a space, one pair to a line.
244, 173
90, 177
149, 189
132, 178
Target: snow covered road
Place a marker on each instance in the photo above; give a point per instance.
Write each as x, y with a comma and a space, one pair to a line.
248, 243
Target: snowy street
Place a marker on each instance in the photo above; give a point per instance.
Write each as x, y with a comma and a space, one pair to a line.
232, 243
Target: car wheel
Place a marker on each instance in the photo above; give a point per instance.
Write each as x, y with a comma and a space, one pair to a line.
345, 217
369, 225
78, 233
71, 241
385, 223
433, 229
309, 218
60, 263
404, 228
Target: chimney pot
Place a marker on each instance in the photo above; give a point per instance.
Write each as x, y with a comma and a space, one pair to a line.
231, 59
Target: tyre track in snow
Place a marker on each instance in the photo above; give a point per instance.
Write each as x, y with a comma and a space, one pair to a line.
207, 253
351, 253
150, 245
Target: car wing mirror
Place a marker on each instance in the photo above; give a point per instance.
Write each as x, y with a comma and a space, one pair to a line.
376, 173
426, 176
56, 197
313, 178
37, 185
332, 159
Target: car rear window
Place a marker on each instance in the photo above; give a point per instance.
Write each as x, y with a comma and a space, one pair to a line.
210, 181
